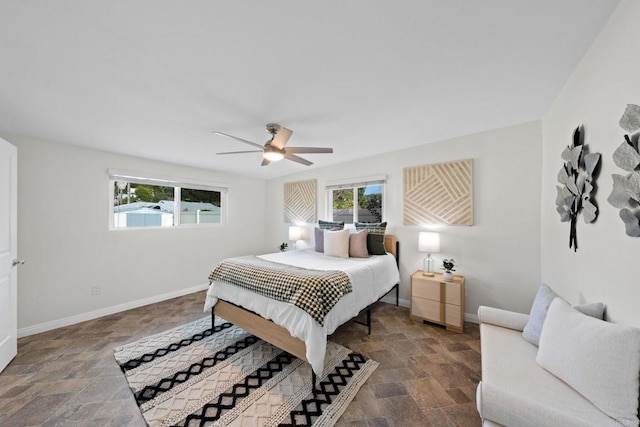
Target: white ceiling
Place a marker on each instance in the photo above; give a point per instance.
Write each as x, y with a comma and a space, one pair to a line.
155, 78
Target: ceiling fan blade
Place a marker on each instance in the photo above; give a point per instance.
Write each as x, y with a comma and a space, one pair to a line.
238, 139
281, 138
240, 152
297, 159
308, 150
265, 162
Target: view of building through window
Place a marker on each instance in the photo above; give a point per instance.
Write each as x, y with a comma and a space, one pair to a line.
147, 205
199, 206
367, 198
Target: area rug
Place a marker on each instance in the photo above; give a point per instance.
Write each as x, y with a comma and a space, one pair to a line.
194, 376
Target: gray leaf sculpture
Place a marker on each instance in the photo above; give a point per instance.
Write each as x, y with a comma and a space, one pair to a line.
577, 177
619, 197
630, 120
631, 223
625, 194
626, 156
589, 211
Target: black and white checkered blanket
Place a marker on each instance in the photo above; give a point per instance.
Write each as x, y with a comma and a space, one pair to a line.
314, 291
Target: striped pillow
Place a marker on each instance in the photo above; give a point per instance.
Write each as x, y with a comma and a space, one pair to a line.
375, 238
331, 225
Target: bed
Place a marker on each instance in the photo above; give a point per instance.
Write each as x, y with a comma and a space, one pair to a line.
289, 327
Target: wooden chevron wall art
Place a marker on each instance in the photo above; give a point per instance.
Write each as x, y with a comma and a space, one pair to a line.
440, 193
300, 201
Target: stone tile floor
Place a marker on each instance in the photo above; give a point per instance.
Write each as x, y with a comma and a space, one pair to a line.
68, 377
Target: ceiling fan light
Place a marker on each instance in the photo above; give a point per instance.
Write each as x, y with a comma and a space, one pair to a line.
273, 156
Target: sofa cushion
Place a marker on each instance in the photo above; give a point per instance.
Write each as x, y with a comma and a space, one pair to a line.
504, 318
600, 360
516, 391
544, 296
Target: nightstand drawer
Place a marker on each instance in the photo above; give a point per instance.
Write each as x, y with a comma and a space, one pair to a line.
427, 309
427, 289
453, 293
437, 301
453, 315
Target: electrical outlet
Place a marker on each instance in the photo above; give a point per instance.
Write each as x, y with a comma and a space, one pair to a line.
95, 290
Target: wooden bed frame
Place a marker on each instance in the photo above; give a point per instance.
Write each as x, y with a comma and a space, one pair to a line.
275, 334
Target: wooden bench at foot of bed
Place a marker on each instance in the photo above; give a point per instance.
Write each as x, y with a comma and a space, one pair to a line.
260, 327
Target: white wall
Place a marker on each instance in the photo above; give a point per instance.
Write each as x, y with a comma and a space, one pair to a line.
606, 266
63, 218
499, 255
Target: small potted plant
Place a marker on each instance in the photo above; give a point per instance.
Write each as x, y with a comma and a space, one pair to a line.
284, 246
448, 267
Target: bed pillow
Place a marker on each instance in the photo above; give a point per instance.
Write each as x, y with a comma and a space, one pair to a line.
336, 243
375, 238
325, 225
358, 244
540, 306
331, 225
319, 239
598, 359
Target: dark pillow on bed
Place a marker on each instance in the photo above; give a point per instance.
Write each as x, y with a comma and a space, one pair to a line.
358, 244
319, 239
375, 238
331, 225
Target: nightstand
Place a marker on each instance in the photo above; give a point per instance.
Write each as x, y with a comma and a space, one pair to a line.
434, 300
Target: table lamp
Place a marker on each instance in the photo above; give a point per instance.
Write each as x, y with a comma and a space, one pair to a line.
428, 242
295, 234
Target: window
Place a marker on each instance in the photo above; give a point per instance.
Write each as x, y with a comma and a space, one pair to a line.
139, 201
360, 200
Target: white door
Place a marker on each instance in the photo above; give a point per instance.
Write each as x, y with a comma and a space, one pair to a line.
8, 252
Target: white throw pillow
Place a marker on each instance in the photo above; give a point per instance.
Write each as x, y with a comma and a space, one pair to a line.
336, 243
541, 303
600, 360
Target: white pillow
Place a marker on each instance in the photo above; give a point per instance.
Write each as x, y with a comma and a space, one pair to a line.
544, 298
336, 243
600, 360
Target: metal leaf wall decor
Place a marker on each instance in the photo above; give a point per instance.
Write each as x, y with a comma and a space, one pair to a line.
577, 176
625, 194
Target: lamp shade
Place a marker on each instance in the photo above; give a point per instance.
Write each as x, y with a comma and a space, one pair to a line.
295, 233
429, 242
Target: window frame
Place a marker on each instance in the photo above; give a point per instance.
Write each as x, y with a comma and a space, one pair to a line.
354, 184
178, 184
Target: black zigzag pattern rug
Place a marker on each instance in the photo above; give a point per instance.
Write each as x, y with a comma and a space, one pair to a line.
194, 375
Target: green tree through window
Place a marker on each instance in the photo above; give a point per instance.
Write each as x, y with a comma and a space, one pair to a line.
369, 203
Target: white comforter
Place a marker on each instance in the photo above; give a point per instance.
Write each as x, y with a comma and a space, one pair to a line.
371, 278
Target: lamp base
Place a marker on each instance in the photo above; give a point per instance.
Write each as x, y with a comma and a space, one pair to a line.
427, 268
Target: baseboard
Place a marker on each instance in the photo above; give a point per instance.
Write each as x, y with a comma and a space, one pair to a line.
392, 300
72, 320
473, 318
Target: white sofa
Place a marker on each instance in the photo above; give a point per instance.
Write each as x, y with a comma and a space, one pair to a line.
515, 390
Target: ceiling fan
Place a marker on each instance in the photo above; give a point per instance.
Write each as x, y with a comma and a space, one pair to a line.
274, 149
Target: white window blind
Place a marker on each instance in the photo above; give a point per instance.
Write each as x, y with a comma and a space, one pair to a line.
357, 182
152, 179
